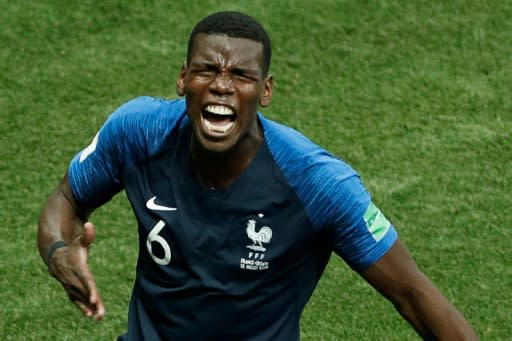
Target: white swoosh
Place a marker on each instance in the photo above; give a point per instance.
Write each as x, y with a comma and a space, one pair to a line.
153, 206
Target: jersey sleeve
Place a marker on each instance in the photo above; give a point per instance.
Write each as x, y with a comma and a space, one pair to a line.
359, 231
131, 133
94, 173
334, 197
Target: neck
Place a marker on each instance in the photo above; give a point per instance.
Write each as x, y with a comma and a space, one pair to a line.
218, 170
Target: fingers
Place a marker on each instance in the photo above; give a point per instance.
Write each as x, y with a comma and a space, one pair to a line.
96, 311
89, 234
95, 308
84, 308
77, 297
100, 309
83, 293
78, 280
94, 298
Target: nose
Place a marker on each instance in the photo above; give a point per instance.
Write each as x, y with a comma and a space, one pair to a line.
222, 84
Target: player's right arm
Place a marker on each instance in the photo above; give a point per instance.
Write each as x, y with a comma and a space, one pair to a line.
64, 233
133, 131
63, 220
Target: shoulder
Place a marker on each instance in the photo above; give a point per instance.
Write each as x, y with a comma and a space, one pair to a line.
134, 132
333, 195
323, 182
147, 110
300, 158
144, 122
148, 105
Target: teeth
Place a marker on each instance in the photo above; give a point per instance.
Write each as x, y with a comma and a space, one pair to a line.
219, 110
217, 125
218, 128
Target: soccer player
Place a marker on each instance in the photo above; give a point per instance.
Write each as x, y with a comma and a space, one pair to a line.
237, 214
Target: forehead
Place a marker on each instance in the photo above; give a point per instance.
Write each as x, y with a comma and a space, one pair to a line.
215, 46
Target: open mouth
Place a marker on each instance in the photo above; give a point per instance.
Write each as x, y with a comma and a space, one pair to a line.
218, 119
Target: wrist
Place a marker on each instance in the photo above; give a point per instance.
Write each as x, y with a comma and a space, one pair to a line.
51, 250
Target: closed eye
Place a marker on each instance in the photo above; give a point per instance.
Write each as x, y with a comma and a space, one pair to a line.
204, 69
244, 74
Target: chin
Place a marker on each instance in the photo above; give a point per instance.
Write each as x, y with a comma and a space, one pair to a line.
216, 146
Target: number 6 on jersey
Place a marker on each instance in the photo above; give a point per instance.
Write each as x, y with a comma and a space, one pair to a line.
154, 237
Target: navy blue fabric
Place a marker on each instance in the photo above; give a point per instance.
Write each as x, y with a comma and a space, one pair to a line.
242, 262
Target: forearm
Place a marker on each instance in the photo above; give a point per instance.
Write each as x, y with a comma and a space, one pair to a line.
59, 219
398, 278
433, 316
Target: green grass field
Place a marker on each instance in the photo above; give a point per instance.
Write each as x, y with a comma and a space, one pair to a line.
416, 95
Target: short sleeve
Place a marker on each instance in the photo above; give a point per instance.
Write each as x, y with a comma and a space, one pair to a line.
360, 232
94, 174
135, 131
333, 195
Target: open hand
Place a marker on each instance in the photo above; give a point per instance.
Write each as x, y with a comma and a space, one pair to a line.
69, 266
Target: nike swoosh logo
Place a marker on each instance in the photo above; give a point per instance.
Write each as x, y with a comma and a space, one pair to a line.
154, 206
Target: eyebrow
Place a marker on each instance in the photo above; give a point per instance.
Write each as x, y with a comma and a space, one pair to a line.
252, 71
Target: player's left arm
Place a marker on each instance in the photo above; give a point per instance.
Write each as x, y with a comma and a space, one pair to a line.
397, 277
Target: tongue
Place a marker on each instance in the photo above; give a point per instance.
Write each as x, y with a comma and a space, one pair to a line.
217, 119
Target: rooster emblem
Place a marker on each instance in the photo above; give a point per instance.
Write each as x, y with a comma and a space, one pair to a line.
262, 236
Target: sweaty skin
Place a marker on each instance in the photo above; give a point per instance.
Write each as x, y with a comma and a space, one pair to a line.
224, 86
224, 72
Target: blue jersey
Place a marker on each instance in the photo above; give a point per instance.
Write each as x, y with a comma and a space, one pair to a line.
238, 263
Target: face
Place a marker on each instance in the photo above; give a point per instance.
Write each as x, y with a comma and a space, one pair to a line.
224, 85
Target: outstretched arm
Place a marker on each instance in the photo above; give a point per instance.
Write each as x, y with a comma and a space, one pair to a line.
63, 220
397, 277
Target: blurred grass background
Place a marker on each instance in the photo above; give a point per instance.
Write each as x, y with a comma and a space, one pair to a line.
415, 95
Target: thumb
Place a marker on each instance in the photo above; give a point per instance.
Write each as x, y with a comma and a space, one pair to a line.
89, 234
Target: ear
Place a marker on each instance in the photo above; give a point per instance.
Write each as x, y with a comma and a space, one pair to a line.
266, 96
180, 82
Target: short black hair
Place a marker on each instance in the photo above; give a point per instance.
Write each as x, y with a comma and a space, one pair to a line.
233, 24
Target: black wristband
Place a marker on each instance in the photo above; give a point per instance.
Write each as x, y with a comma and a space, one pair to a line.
51, 250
